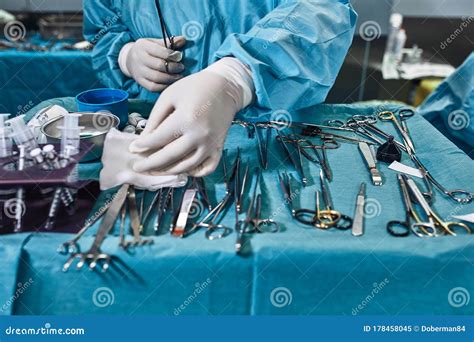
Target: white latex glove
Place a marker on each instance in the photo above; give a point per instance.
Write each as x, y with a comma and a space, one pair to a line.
144, 61
189, 123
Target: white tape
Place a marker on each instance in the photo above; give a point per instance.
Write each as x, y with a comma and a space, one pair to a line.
467, 218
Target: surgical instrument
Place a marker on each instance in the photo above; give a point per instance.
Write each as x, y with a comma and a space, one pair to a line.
326, 218
253, 223
295, 157
20, 192
263, 143
185, 208
72, 246
403, 228
94, 254
434, 221
404, 114
358, 223
390, 116
138, 240
371, 164
164, 199
285, 185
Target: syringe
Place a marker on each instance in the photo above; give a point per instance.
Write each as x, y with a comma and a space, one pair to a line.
22, 134
5, 138
70, 134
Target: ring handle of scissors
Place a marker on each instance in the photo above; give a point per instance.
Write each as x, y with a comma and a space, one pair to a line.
268, 223
460, 196
405, 113
462, 225
217, 231
427, 228
398, 228
335, 123
386, 116
344, 223
327, 219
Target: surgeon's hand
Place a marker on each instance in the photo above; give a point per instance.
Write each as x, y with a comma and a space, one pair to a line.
145, 61
188, 125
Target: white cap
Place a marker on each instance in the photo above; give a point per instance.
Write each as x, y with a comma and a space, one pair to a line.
396, 20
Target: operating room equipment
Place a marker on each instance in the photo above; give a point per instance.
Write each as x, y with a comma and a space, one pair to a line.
95, 128
305, 144
21, 133
286, 188
359, 213
294, 153
94, 254
20, 192
371, 162
5, 138
263, 143
70, 133
137, 240
326, 218
389, 152
434, 223
179, 226
389, 116
253, 223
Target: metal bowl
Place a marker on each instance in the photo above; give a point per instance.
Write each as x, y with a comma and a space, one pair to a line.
94, 128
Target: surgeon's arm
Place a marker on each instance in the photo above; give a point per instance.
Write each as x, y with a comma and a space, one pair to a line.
295, 52
103, 27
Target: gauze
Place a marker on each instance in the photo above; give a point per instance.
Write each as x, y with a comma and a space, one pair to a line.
117, 166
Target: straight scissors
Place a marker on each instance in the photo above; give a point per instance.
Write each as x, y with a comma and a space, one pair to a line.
403, 228
326, 218
435, 223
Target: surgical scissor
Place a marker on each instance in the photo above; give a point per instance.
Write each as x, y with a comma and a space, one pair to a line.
325, 218
435, 223
403, 228
253, 222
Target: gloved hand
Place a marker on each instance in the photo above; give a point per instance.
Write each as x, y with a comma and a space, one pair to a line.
145, 61
189, 123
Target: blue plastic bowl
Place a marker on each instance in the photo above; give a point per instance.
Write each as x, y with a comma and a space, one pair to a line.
114, 101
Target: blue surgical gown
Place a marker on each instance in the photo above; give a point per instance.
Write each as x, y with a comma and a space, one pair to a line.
295, 48
453, 102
